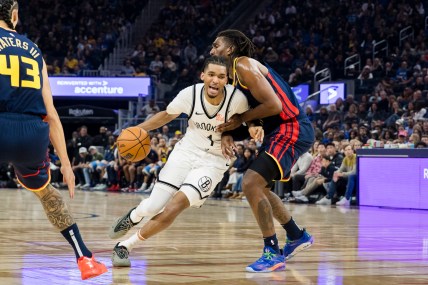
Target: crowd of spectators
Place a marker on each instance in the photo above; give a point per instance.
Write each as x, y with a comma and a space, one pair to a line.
297, 38
174, 48
76, 35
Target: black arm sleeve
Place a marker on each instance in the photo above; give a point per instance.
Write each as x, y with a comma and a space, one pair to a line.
239, 134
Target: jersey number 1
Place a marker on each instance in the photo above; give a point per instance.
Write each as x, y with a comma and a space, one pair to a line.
14, 72
210, 137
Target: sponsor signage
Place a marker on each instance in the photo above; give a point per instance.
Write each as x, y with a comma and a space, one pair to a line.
100, 87
330, 92
393, 182
301, 92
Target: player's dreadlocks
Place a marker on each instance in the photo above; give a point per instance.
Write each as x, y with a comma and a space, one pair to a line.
243, 45
6, 8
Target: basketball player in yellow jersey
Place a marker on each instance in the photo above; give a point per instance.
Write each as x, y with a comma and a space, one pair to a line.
27, 120
195, 166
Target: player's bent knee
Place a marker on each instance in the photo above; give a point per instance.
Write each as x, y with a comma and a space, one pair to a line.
158, 199
252, 181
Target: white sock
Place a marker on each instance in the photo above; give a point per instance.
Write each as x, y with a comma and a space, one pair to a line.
135, 218
131, 242
144, 185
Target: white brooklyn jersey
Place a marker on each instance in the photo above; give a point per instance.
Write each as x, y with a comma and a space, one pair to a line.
204, 117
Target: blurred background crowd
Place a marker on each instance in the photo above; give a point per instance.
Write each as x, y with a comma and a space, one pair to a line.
387, 106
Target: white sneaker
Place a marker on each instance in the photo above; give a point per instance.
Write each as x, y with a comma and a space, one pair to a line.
100, 187
323, 201
296, 193
302, 198
343, 202
142, 188
149, 190
55, 185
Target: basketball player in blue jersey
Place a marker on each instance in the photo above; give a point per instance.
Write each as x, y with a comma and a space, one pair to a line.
27, 120
195, 166
288, 134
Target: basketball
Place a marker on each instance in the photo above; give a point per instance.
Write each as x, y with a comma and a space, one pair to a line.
133, 144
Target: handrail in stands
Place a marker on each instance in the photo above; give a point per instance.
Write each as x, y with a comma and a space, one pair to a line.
381, 46
354, 60
406, 33
324, 74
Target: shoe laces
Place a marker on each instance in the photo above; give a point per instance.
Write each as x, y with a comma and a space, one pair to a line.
121, 251
125, 224
268, 255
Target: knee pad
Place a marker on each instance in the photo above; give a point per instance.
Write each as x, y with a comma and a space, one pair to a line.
159, 197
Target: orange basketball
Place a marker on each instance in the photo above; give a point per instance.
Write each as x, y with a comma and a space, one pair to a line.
133, 144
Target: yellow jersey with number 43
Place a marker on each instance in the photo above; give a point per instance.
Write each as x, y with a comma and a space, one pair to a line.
21, 79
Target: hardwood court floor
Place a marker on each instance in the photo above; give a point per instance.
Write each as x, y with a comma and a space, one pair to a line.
212, 245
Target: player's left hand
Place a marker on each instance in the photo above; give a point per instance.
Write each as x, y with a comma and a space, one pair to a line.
234, 122
68, 177
257, 133
228, 146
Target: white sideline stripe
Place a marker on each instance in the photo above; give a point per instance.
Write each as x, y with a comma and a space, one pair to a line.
76, 244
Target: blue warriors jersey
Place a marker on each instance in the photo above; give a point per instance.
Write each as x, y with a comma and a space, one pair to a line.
291, 111
21, 79
287, 135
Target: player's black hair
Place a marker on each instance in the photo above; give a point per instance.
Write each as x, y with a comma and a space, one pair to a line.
6, 8
243, 46
215, 60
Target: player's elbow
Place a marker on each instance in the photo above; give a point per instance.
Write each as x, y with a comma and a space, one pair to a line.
276, 107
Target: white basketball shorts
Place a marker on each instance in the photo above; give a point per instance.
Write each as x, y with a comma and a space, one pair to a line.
194, 172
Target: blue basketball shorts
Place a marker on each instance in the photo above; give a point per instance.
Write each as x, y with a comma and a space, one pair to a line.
24, 141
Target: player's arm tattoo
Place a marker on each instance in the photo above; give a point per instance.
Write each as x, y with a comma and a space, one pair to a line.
265, 216
55, 208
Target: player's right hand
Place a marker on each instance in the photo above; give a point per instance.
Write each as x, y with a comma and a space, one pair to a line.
228, 146
234, 122
68, 177
257, 133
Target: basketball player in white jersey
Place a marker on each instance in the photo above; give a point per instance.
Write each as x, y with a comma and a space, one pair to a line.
196, 164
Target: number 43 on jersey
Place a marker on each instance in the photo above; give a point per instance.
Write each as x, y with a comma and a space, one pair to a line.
13, 70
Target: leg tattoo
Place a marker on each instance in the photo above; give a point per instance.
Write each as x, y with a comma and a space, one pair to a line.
281, 214
264, 213
55, 208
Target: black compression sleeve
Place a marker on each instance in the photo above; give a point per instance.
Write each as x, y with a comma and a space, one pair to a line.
239, 134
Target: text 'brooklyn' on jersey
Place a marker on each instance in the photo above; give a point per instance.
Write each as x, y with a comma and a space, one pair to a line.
21, 82
205, 117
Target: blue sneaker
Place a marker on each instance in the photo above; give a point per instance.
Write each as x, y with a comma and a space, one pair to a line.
291, 248
269, 262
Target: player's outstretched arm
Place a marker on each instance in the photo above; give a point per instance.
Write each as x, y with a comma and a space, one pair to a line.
56, 133
249, 73
157, 121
